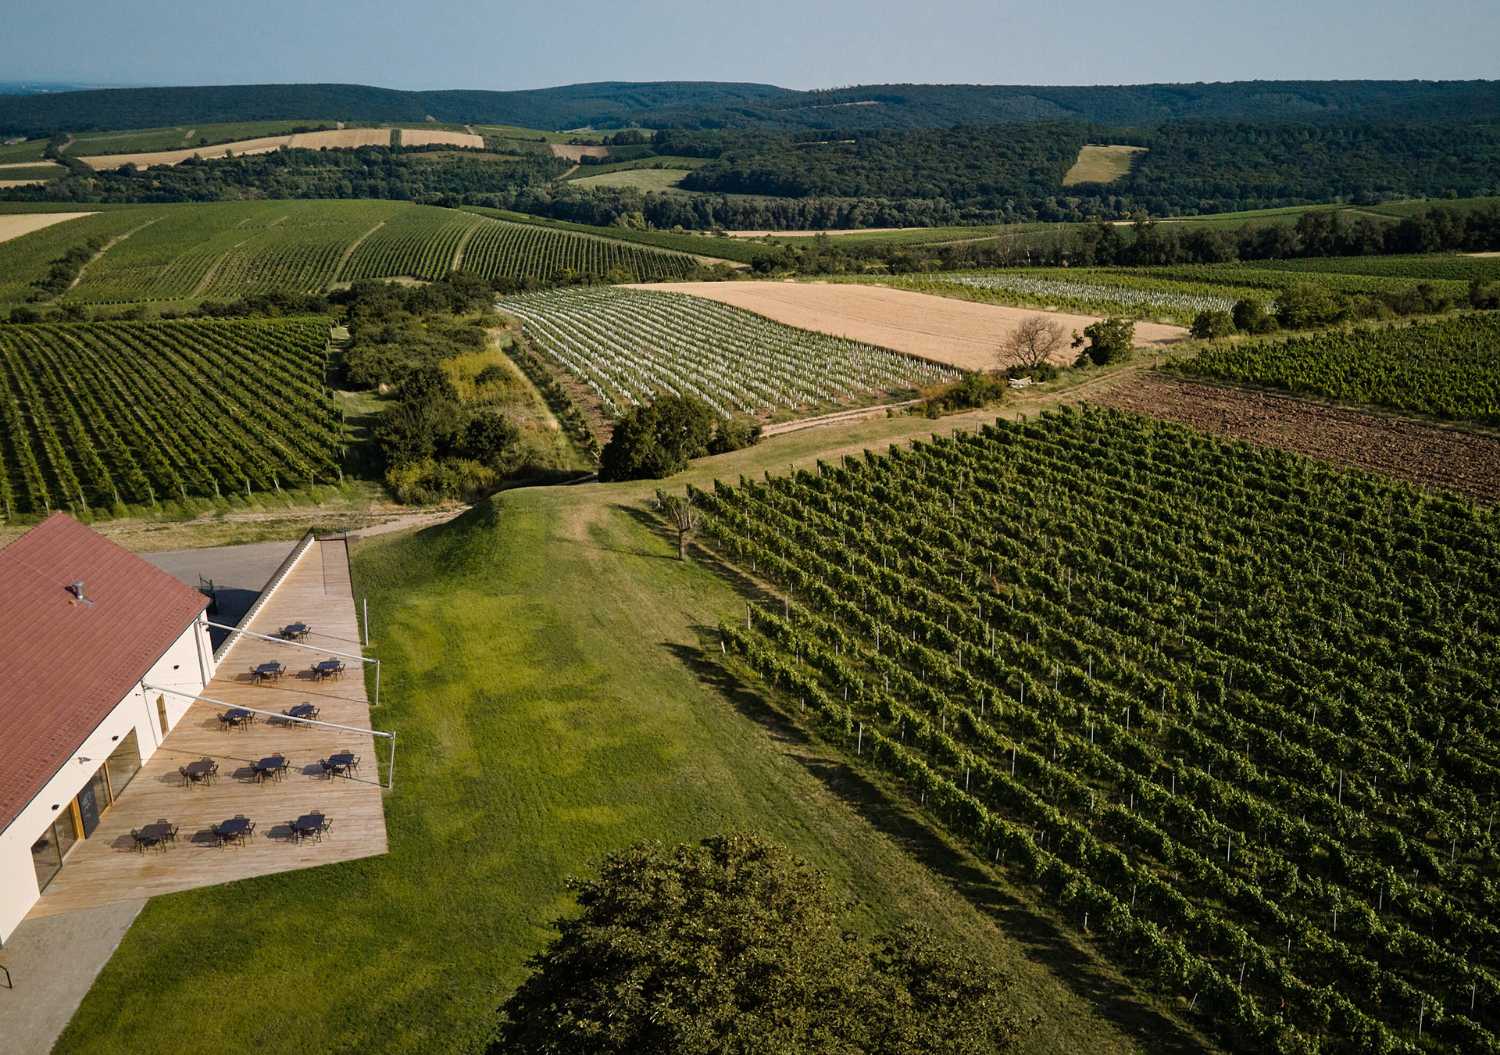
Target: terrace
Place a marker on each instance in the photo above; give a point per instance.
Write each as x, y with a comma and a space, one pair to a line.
107, 867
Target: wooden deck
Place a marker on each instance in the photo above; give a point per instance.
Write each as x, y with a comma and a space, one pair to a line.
105, 868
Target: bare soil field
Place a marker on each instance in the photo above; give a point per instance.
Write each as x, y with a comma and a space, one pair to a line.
812, 234
578, 153
1097, 163
960, 333
1428, 455
17, 224
342, 138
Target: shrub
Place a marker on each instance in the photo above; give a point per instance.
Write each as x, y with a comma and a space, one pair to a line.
1106, 341
1249, 316
1306, 305
489, 437
1209, 325
969, 392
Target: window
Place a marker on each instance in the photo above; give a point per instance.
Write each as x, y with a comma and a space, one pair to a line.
47, 852
123, 763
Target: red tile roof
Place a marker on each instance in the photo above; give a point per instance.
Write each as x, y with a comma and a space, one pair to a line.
65, 664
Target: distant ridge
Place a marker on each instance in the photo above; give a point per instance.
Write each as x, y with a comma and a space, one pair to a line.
712, 104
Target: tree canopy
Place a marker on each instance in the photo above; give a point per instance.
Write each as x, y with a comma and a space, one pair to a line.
736, 945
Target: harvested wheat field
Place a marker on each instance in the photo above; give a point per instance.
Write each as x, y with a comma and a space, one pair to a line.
578, 153
428, 137
333, 139
1428, 455
41, 164
7, 183
14, 226
959, 333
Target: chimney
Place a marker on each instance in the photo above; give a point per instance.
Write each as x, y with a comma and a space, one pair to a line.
76, 589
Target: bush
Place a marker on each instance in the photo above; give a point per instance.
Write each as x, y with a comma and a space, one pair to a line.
489, 437
1106, 341
1209, 325
1305, 306
1483, 295
455, 479
1249, 316
659, 439
969, 392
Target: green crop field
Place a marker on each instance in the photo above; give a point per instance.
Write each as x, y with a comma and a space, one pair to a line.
180, 137
631, 345
1101, 164
186, 253
98, 416
45, 170
1132, 666
1433, 266
732, 249
1446, 369
652, 179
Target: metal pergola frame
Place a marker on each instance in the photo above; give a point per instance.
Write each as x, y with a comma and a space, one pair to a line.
302, 644
390, 781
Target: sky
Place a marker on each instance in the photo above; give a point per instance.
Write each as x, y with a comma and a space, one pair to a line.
504, 44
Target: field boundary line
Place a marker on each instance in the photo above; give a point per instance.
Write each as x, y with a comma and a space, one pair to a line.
463, 244
338, 272
116, 240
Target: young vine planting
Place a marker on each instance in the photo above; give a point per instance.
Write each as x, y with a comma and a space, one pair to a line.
1228, 711
95, 416
629, 345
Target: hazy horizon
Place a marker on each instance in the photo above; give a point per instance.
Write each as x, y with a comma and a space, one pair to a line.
465, 44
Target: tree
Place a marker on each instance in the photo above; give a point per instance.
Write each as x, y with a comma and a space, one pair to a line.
735, 945
684, 518
489, 437
1208, 325
1032, 343
1106, 341
658, 439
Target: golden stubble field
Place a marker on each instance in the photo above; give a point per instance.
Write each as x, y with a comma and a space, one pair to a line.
340, 138
960, 333
17, 224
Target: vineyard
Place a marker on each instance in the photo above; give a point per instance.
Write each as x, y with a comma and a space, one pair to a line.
225, 250
629, 345
1179, 292
96, 416
1447, 369
1227, 712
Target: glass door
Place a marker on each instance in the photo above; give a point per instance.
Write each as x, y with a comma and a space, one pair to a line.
122, 764
47, 853
92, 801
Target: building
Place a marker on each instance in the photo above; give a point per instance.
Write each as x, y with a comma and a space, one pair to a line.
84, 627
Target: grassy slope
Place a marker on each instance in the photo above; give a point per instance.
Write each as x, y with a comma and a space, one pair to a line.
701, 245
1097, 163
540, 663
540, 668
650, 180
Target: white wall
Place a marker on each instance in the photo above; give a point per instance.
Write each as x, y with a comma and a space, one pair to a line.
187, 665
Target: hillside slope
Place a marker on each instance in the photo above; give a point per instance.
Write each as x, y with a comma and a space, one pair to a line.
710, 104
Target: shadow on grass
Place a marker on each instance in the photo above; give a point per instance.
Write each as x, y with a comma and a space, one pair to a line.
1042, 938
749, 589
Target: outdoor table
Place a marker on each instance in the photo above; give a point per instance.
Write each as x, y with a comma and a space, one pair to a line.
156, 833
234, 828
343, 760
268, 670
328, 667
238, 715
302, 710
308, 824
296, 631
268, 766
201, 768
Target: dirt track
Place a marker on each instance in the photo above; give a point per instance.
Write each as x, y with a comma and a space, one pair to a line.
1425, 454
961, 333
17, 224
